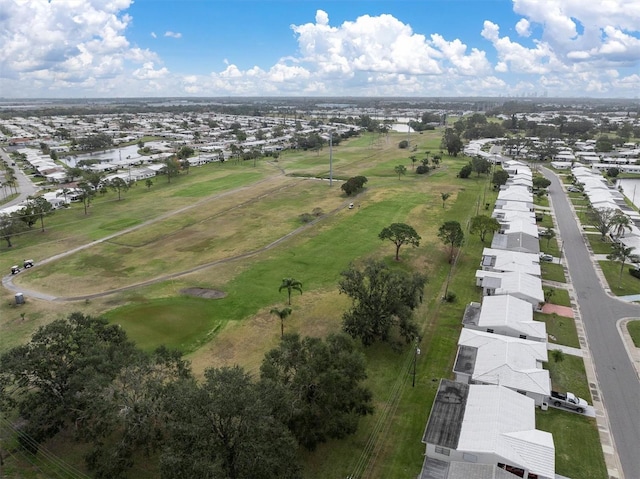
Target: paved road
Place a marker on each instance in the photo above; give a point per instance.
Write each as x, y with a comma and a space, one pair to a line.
617, 378
25, 185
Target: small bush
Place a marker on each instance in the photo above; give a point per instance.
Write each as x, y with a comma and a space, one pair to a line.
635, 272
403, 144
450, 297
306, 217
422, 170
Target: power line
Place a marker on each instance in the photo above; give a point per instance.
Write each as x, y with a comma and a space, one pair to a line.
54, 465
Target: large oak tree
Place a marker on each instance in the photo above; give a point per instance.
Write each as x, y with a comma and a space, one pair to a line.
382, 301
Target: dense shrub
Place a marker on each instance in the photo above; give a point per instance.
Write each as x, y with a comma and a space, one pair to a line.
465, 171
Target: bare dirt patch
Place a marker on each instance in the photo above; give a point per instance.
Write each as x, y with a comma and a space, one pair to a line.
203, 293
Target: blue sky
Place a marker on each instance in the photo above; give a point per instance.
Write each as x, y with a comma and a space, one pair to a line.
125, 48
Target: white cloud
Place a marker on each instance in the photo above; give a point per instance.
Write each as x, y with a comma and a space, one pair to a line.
147, 72
569, 47
519, 59
576, 30
522, 27
80, 45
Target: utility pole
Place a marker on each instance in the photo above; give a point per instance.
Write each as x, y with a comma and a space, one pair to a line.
330, 158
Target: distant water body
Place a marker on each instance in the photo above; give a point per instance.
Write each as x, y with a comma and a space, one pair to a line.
630, 189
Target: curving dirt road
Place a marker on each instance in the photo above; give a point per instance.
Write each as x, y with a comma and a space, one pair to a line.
7, 281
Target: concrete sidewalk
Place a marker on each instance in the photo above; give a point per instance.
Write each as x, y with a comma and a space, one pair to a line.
565, 349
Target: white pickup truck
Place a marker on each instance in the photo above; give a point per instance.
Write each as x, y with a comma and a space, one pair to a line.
568, 400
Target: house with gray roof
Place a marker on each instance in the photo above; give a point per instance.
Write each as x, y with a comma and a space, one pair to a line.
521, 285
506, 315
488, 424
486, 358
516, 241
502, 260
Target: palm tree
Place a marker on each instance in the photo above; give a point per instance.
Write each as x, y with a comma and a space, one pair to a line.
549, 234
623, 254
445, 197
64, 192
282, 314
290, 284
619, 223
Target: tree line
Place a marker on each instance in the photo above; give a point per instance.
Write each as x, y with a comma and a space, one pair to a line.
84, 376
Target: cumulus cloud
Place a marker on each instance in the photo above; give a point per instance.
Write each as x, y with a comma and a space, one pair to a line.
57, 45
516, 58
522, 27
565, 46
148, 72
601, 32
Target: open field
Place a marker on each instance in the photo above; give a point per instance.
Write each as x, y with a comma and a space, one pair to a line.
224, 218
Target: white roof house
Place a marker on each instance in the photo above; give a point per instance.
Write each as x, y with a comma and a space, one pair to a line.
488, 424
486, 358
509, 215
506, 315
516, 241
515, 206
504, 260
521, 285
515, 193
526, 226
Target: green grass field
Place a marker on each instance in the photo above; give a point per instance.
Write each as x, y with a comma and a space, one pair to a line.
553, 272
620, 284
560, 330
241, 225
597, 245
575, 457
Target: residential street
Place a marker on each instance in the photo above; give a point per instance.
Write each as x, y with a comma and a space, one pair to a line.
25, 186
618, 381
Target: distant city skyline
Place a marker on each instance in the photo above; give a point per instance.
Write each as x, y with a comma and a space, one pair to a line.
431, 48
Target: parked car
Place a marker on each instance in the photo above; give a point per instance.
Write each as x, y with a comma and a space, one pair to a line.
568, 400
574, 189
545, 257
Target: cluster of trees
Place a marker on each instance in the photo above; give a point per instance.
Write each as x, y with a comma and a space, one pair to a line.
561, 126
482, 225
84, 376
353, 185
478, 164
428, 121
451, 142
99, 141
609, 221
477, 126
12, 224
